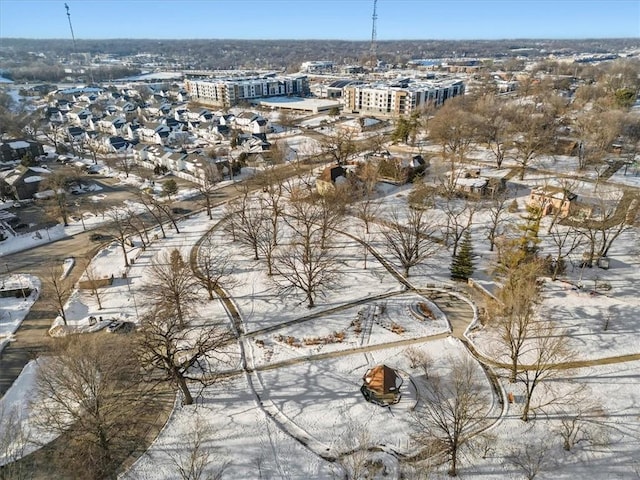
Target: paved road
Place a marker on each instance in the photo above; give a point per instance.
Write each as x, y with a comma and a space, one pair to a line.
31, 338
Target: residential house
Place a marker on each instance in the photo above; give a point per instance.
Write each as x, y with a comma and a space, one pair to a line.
81, 117
76, 135
23, 182
17, 149
111, 124
227, 120
253, 143
153, 132
250, 122
54, 115
553, 200
116, 144
398, 169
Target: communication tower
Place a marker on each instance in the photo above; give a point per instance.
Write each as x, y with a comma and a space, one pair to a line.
374, 35
73, 37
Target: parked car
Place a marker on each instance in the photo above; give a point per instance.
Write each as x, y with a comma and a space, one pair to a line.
180, 211
97, 237
114, 326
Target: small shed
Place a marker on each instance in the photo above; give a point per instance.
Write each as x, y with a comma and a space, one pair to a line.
381, 385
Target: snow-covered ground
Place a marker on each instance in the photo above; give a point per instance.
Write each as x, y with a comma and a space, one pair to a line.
19, 430
300, 401
13, 309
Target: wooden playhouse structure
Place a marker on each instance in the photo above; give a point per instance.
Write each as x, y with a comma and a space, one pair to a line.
381, 385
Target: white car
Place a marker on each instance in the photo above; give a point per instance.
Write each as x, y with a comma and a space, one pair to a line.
114, 326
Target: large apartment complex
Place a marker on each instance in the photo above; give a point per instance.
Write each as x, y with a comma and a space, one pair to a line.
399, 98
229, 92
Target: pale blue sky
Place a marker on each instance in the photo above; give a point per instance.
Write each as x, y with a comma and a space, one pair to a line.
326, 19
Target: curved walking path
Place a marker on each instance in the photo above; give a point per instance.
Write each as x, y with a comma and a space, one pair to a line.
460, 312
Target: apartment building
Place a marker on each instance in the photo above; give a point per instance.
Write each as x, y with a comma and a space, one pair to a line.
399, 98
229, 92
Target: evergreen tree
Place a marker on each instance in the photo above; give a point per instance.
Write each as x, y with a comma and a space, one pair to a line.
462, 263
530, 228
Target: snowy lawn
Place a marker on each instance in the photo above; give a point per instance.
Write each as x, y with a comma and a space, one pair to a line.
13, 310
390, 319
261, 304
19, 432
243, 434
608, 440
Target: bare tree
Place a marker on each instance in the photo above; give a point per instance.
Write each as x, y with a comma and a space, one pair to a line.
196, 458
54, 132
119, 227
459, 219
307, 267
267, 244
247, 220
604, 225
272, 183
419, 359
164, 209
367, 211
91, 390
59, 287
122, 161
630, 130
356, 461
531, 458
93, 282
532, 133
15, 437
513, 313
452, 406
181, 353
581, 426
215, 267
566, 240
308, 263
137, 224
340, 146
493, 128
498, 207
207, 186
412, 242
596, 130
91, 147
544, 350
172, 285
59, 203
454, 127
152, 206
332, 206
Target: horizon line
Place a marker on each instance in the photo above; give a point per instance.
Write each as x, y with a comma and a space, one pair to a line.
329, 39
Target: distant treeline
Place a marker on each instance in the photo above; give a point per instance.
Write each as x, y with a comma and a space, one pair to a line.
281, 54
